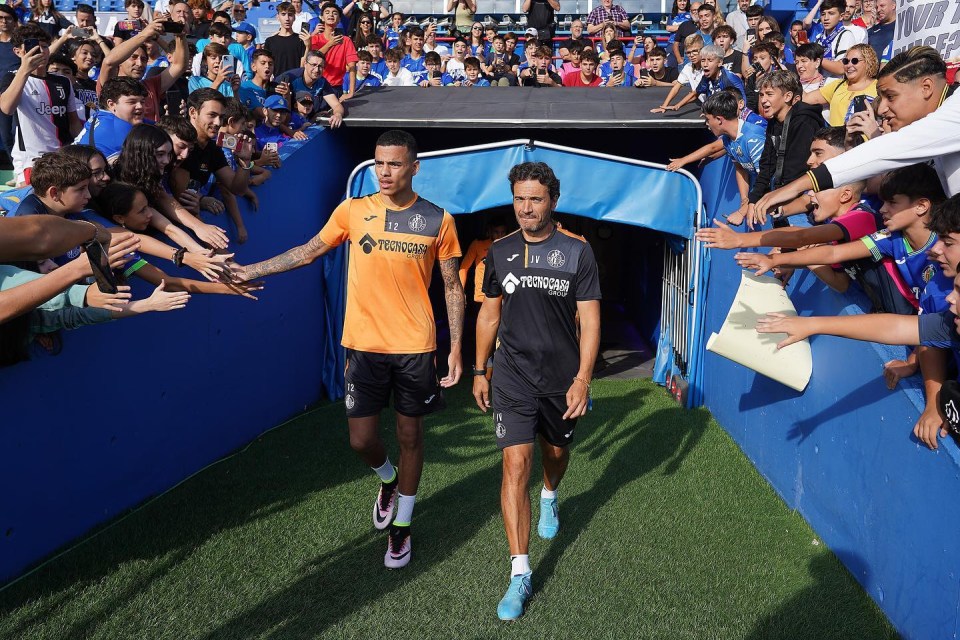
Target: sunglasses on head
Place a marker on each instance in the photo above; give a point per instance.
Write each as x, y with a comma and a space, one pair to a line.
847, 61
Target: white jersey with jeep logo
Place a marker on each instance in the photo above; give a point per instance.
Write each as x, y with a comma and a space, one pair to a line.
42, 119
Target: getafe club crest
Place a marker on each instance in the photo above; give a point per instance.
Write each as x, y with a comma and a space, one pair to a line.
417, 223
556, 259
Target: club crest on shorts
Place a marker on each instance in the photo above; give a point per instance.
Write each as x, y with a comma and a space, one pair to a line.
556, 259
501, 429
349, 401
417, 223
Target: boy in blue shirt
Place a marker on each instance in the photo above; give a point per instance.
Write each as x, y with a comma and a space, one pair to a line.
471, 67
378, 66
121, 102
269, 131
364, 77
615, 72
254, 92
435, 77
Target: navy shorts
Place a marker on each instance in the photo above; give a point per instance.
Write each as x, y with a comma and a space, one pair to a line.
411, 378
519, 416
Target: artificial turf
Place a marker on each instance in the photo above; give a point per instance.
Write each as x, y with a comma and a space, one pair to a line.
667, 532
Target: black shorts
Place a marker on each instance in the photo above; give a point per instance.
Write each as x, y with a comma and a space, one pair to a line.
370, 377
518, 417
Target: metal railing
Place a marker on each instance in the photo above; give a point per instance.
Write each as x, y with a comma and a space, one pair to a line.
678, 301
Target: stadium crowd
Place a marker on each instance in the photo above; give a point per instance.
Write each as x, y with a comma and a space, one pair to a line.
123, 139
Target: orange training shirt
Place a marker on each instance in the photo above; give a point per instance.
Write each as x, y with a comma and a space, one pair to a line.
476, 253
391, 262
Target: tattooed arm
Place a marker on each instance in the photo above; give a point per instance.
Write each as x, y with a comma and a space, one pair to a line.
292, 259
453, 294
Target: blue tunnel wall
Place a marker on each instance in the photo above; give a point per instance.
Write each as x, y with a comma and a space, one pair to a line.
842, 453
130, 408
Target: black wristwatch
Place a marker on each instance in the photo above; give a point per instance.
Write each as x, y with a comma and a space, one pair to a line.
479, 372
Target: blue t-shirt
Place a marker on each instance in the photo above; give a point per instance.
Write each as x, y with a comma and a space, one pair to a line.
379, 69
202, 82
417, 67
481, 82
939, 330
605, 72
708, 87
747, 148
913, 264
392, 36
677, 20
370, 81
109, 132
266, 133
251, 95
319, 89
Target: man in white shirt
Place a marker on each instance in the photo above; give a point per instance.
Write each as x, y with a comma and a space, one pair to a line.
858, 32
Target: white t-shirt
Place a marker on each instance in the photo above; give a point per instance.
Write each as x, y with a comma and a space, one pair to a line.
403, 79
690, 76
858, 32
42, 119
455, 70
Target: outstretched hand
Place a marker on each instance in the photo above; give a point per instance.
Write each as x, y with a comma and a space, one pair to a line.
758, 262
719, 237
795, 327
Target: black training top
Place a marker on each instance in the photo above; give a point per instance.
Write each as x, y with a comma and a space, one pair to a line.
541, 283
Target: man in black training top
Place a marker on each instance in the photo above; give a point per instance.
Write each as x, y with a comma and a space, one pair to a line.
537, 280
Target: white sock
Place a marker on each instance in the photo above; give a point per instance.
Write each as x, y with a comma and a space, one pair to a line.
404, 510
386, 471
520, 565
544, 493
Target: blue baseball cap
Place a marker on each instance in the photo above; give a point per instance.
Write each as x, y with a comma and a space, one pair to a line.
245, 27
277, 103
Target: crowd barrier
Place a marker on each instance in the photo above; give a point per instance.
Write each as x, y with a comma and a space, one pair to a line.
842, 452
130, 408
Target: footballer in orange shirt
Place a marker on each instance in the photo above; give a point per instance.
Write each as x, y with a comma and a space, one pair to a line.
389, 330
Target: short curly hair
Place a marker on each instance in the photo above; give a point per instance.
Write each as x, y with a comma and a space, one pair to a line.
539, 171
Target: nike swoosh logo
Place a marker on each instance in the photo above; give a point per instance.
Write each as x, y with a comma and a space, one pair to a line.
370, 218
430, 399
901, 260
511, 258
402, 555
379, 519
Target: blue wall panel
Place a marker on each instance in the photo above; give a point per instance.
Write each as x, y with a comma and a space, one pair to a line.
132, 407
843, 455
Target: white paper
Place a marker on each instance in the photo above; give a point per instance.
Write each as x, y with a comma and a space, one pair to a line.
739, 341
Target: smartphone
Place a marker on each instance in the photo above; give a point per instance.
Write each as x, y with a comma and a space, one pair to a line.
228, 62
30, 44
434, 74
643, 73
100, 265
128, 25
751, 33
860, 104
338, 31
757, 67
79, 32
305, 27
802, 37
170, 26
270, 146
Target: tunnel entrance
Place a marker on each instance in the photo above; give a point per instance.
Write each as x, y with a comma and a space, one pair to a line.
630, 265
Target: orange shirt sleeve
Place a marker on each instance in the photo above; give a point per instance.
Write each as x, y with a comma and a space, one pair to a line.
448, 246
337, 229
468, 261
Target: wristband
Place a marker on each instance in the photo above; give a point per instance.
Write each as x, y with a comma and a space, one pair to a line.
240, 164
178, 256
479, 372
96, 232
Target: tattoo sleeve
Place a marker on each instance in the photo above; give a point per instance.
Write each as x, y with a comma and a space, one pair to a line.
453, 293
292, 259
